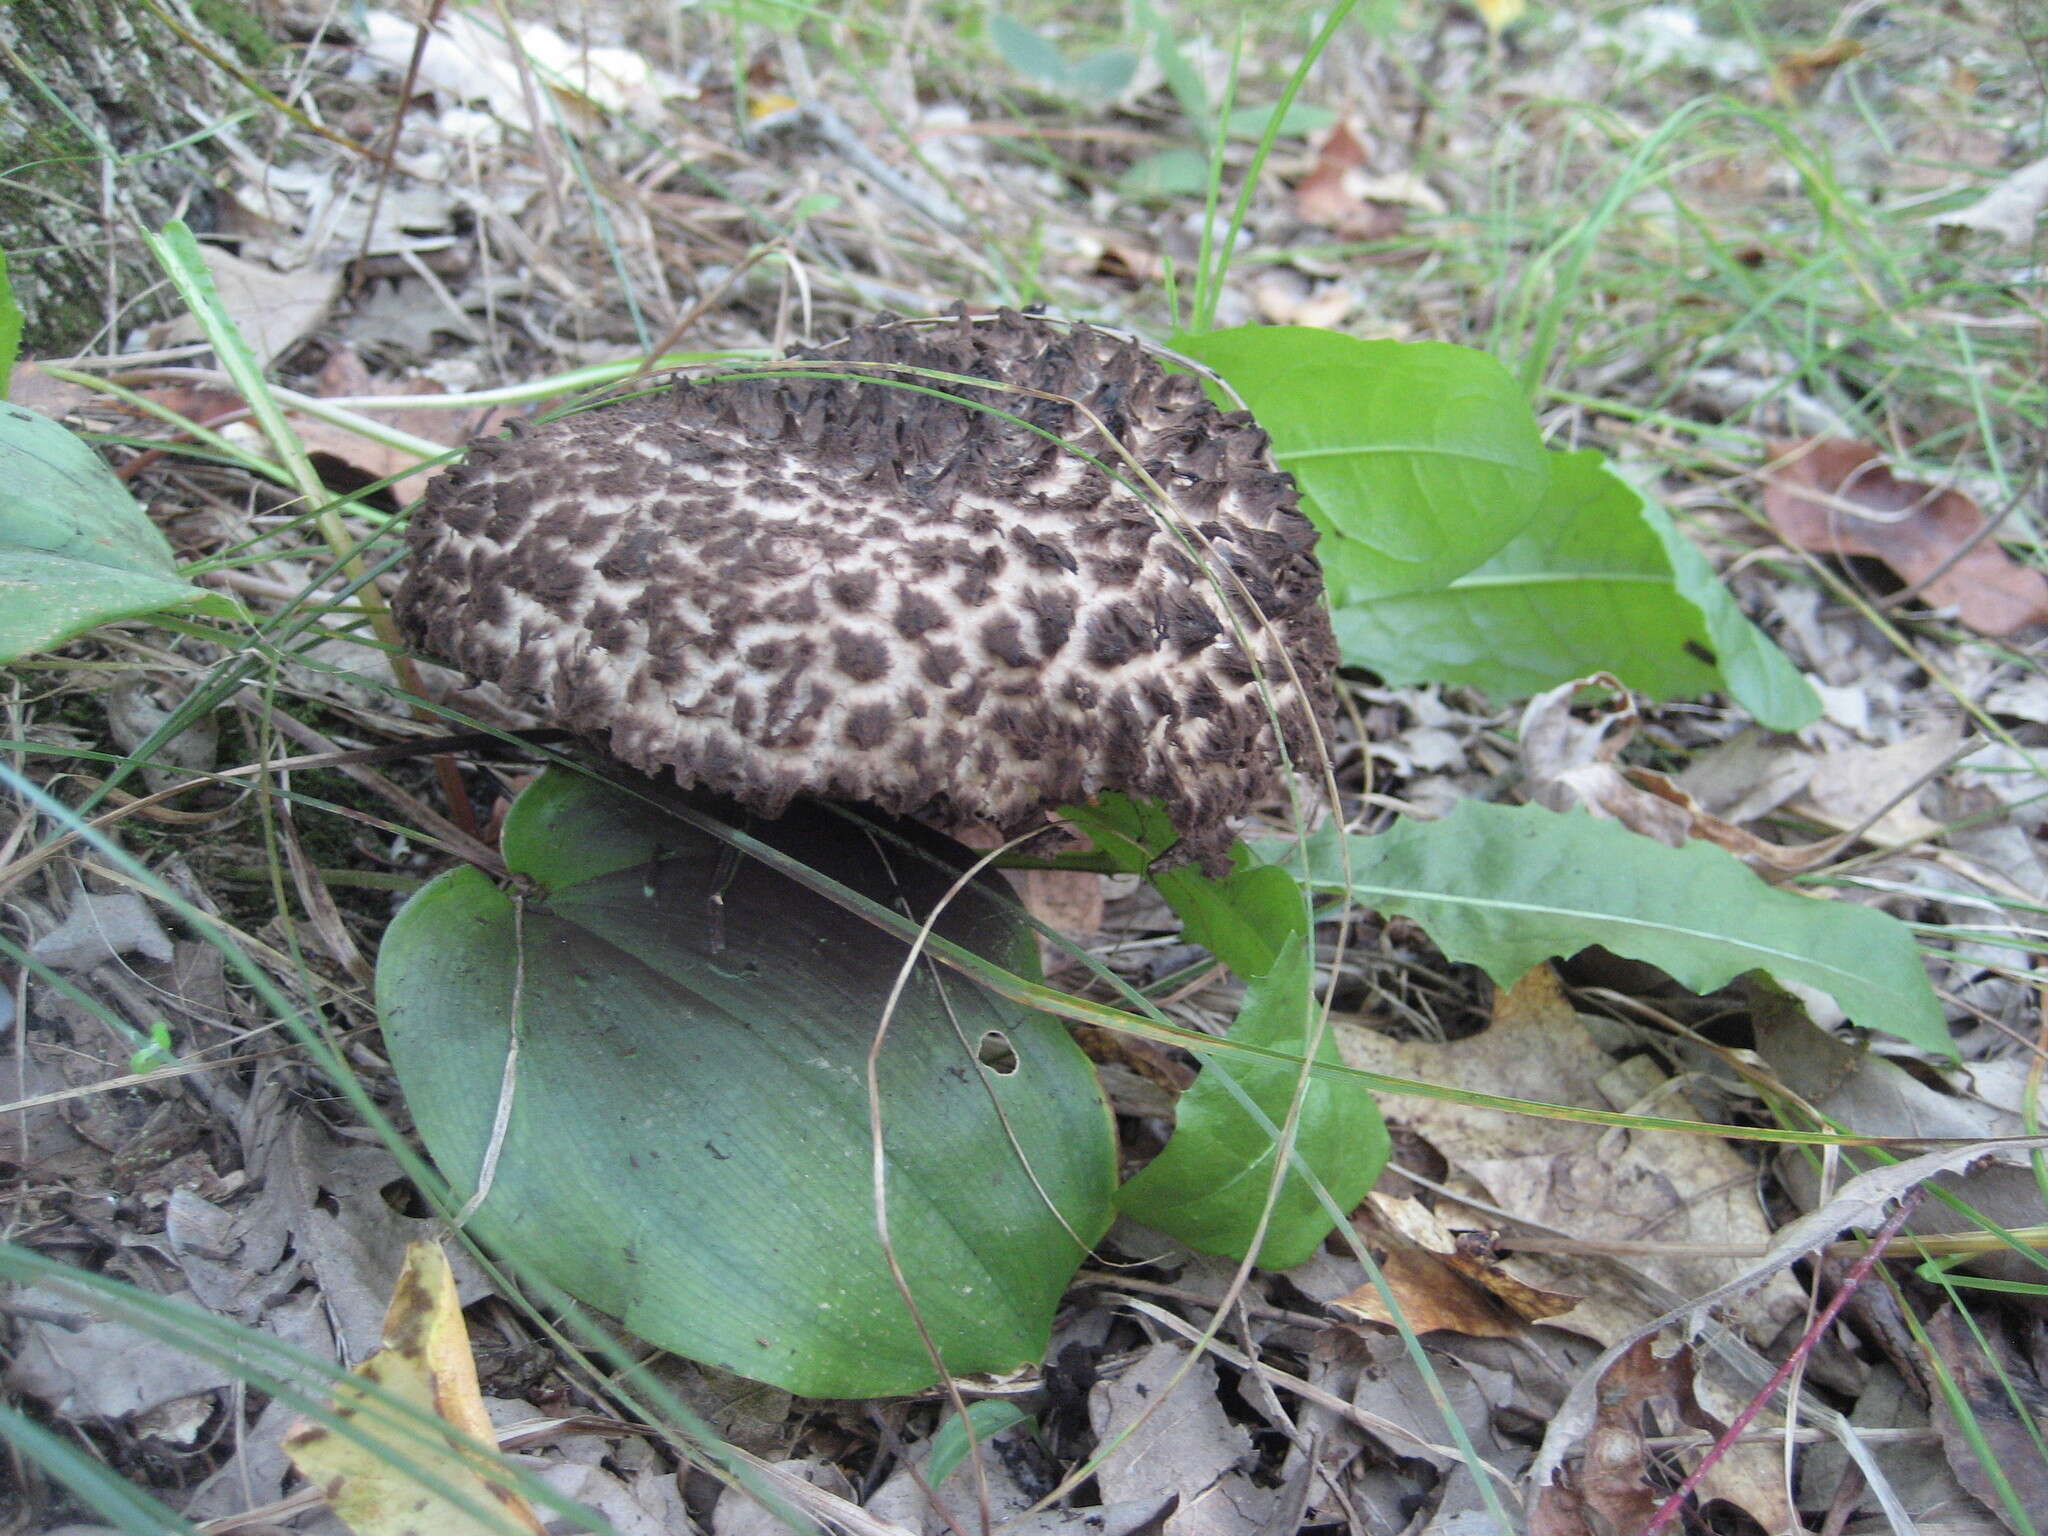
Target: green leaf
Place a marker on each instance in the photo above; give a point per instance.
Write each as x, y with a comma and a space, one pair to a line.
1302, 119
1210, 1185
989, 1416
1424, 456
1600, 580
1507, 887
10, 328
1181, 77
1025, 51
1169, 173
1096, 81
75, 549
1102, 77
1244, 919
688, 1142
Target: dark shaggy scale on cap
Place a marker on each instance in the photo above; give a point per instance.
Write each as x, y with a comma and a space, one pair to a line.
676, 573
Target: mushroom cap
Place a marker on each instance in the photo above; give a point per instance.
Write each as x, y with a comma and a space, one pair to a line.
833, 586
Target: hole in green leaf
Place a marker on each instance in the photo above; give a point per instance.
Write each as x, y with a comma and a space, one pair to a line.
996, 1053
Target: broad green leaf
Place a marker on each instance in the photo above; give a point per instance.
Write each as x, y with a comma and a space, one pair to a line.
990, 1416
1210, 1185
1422, 455
688, 1143
1244, 919
1507, 887
1601, 580
10, 328
75, 549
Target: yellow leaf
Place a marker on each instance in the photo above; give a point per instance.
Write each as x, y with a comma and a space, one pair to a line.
425, 1364
1499, 15
768, 104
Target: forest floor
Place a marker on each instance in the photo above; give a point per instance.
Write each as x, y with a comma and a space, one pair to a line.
1708, 237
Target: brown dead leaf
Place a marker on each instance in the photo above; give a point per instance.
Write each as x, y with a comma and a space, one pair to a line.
2001, 1395
1834, 496
1611, 1491
1596, 1184
1340, 195
271, 309
1854, 784
1614, 1478
1572, 763
1068, 900
1441, 1284
2010, 210
425, 1364
1585, 1181
56, 398
1797, 70
351, 455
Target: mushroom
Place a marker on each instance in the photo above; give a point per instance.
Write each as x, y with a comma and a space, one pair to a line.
870, 584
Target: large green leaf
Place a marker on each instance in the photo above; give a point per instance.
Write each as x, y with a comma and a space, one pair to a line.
75, 549
1599, 581
1210, 1186
688, 1142
10, 328
1421, 455
1506, 887
1244, 919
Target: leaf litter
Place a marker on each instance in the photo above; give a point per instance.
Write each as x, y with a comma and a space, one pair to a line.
1516, 1248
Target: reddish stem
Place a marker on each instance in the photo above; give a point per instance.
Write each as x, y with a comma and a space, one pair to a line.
1670, 1508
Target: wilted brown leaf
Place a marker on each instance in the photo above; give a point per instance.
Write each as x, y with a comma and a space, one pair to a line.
1798, 69
2001, 1395
1573, 764
355, 455
1439, 1284
1341, 196
1834, 496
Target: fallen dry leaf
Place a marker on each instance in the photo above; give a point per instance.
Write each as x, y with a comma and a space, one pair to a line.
2001, 1395
1594, 1184
1854, 784
1797, 70
1613, 1483
1440, 1284
2009, 210
1835, 496
426, 1365
1859, 1203
1341, 196
271, 309
1571, 764
345, 374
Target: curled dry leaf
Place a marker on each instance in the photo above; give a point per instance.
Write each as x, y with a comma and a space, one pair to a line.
1835, 496
354, 460
1572, 763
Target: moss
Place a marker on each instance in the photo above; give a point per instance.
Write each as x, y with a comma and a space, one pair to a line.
237, 25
